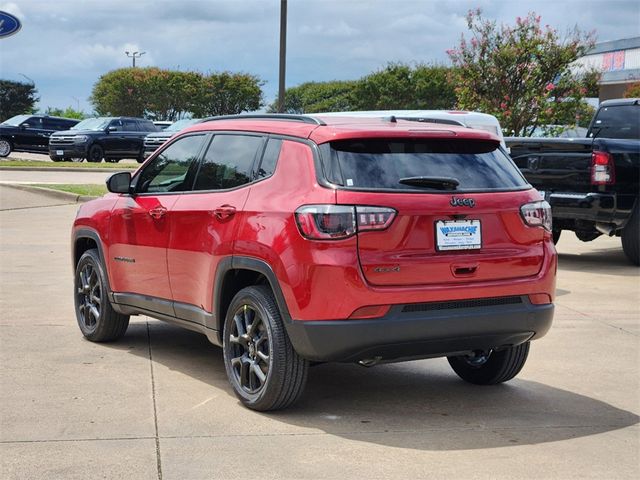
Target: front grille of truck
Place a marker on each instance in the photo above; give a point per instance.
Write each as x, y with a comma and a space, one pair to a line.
154, 142
61, 140
452, 305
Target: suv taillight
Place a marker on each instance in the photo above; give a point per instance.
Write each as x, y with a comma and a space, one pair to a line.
603, 171
537, 214
335, 222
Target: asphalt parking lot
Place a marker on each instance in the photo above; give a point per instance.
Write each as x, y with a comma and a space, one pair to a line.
157, 404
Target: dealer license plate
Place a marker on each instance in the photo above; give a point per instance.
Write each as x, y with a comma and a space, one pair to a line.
59, 152
458, 234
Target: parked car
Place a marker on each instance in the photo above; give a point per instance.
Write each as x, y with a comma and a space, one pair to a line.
30, 133
111, 138
154, 140
593, 183
290, 239
162, 124
477, 120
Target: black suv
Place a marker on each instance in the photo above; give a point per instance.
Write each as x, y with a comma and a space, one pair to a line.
153, 141
30, 133
111, 138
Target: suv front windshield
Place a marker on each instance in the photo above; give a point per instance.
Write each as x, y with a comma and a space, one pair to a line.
180, 124
99, 123
17, 120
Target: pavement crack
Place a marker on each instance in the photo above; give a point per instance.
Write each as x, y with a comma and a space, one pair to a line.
155, 407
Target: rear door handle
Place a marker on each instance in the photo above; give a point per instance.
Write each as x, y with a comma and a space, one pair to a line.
157, 212
224, 211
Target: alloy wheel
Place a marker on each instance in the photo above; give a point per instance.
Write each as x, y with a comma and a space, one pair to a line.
89, 296
5, 148
249, 349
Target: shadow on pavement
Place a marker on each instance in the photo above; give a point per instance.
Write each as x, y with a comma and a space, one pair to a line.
418, 405
605, 261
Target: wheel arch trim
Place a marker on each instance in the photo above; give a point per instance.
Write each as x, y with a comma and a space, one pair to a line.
236, 262
92, 234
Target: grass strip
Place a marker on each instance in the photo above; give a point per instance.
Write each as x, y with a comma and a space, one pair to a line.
44, 164
80, 189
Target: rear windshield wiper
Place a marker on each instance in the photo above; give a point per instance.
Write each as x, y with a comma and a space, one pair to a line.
437, 183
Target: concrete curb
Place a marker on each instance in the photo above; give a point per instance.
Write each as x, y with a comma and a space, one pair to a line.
51, 193
66, 169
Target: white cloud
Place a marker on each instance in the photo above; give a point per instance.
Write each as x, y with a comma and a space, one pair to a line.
65, 45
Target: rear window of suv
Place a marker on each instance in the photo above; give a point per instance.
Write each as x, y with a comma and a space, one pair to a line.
381, 164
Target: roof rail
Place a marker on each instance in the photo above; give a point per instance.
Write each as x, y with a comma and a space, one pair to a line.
268, 116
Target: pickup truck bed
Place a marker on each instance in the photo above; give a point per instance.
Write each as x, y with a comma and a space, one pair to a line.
564, 169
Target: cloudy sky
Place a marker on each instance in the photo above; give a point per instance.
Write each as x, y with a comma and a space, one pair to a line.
65, 45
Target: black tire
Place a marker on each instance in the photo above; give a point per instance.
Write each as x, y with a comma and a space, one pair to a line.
5, 147
97, 319
631, 237
498, 367
254, 330
96, 154
556, 235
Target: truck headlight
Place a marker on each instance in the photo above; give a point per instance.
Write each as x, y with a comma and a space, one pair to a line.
80, 139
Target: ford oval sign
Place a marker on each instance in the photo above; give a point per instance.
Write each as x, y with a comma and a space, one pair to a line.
8, 24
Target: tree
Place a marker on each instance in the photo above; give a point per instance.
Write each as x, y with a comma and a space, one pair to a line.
314, 97
400, 87
16, 98
170, 95
69, 112
121, 92
633, 91
521, 74
228, 93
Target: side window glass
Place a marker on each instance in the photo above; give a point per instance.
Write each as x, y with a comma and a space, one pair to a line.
172, 170
49, 124
129, 126
33, 122
270, 158
228, 162
117, 124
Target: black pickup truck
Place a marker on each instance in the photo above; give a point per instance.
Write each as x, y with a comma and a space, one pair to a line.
591, 183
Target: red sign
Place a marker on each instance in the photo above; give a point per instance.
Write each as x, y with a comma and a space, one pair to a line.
613, 61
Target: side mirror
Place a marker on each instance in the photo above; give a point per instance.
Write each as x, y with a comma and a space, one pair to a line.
24, 125
111, 129
119, 182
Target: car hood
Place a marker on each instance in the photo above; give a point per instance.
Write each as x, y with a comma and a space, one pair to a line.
160, 135
75, 132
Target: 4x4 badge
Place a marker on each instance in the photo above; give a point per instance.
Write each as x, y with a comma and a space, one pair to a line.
462, 202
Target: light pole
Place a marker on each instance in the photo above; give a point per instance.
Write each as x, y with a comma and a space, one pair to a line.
134, 55
29, 79
283, 53
77, 102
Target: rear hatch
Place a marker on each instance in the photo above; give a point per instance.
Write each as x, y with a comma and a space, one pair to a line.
457, 205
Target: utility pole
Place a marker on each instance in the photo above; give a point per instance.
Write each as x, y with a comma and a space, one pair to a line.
283, 53
134, 55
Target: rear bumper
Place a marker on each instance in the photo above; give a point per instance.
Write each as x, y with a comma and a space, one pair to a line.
423, 330
607, 208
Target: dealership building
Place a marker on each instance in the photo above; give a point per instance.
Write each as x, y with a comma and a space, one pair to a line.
619, 62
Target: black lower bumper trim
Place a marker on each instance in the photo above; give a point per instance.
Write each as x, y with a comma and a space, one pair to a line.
420, 334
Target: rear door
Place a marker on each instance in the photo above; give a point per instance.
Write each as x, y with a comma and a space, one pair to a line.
204, 223
441, 234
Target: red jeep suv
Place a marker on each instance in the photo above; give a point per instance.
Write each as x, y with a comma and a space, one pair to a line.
289, 240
